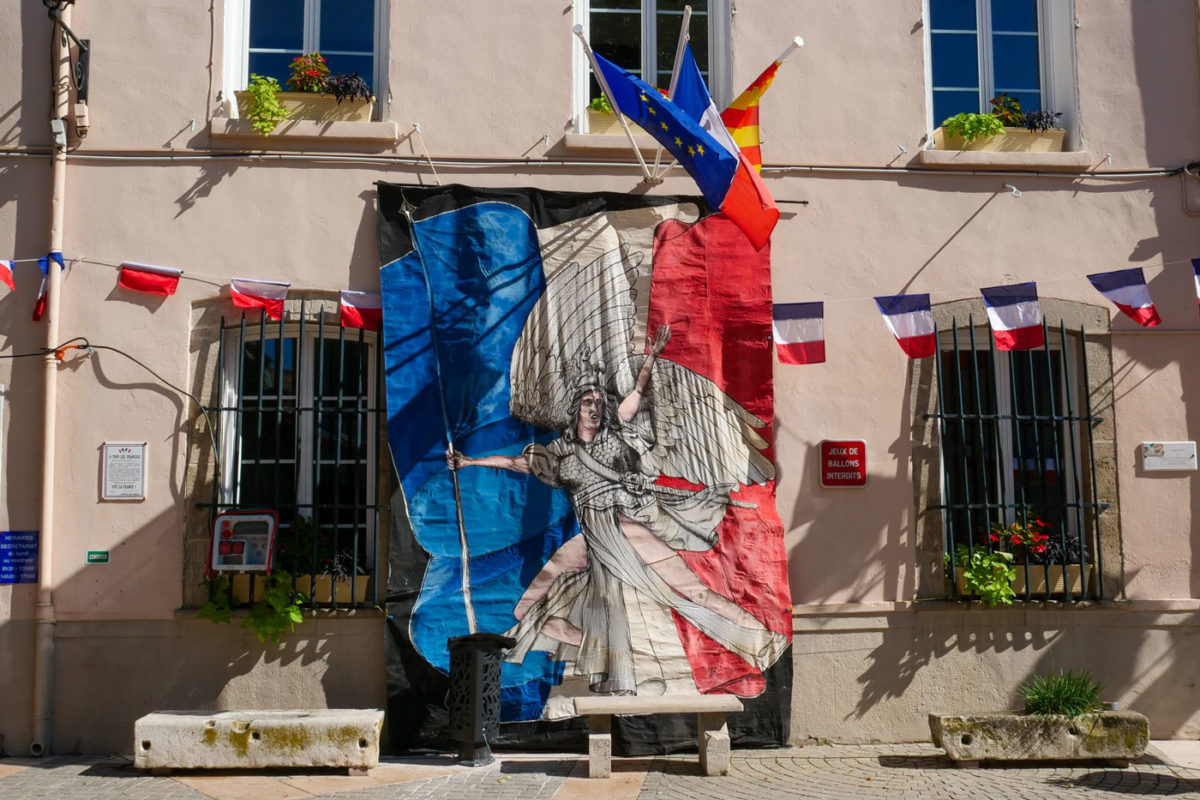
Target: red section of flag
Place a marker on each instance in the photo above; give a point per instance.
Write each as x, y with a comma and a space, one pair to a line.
39, 305
1147, 317
267, 295
1020, 338
750, 206
740, 117
801, 352
361, 310
6, 274
151, 280
918, 346
715, 292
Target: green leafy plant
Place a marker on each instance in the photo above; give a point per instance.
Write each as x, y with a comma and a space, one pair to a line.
1067, 693
277, 612
301, 542
988, 575
600, 104
347, 87
219, 607
1007, 109
1042, 121
308, 73
263, 108
971, 126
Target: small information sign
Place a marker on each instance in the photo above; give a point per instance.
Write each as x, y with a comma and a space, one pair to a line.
843, 463
97, 556
1168, 456
124, 471
18, 557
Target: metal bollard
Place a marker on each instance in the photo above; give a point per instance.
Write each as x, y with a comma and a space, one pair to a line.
474, 698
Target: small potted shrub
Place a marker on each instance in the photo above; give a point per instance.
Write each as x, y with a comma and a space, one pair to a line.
313, 95
1062, 719
1007, 128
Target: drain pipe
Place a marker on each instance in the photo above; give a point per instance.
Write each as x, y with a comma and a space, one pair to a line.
43, 668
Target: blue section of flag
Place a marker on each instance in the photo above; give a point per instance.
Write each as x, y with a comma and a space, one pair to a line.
460, 303
709, 164
902, 303
691, 95
1196, 265
1010, 295
786, 311
1108, 281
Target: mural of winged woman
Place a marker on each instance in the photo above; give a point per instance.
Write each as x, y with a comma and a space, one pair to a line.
625, 419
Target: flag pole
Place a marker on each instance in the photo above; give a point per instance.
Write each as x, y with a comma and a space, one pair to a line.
797, 42
587, 48
683, 40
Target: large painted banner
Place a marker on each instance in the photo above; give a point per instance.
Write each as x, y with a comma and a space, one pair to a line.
580, 405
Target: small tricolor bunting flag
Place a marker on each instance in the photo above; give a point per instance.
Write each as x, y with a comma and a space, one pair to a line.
799, 332
1127, 290
267, 295
1196, 276
148, 278
361, 310
39, 305
6, 273
1015, 315
909, 318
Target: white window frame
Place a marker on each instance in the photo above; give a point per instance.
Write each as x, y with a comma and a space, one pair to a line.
720, 17
231, 479
236, 58
1056, 61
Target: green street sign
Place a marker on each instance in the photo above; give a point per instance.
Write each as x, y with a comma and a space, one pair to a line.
97, 556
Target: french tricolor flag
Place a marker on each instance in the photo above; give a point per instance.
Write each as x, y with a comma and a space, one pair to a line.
800, 332
6, 273
1196, 275
267, 295
1015, 315
910, 320
361, 310
148, 278
1127, 289
39, 305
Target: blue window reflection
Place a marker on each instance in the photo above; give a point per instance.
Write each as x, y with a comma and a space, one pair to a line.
959, 43
344, 34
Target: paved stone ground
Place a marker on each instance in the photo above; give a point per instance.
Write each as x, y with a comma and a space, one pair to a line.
899, 772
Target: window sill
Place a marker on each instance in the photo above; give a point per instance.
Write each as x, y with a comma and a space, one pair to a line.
606, 143
381, 135
983, 160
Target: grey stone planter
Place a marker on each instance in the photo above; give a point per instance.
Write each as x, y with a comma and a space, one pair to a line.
1112, 736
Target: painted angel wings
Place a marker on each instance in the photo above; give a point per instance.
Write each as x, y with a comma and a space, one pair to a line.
581, 332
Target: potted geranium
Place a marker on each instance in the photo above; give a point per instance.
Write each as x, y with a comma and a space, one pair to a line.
1007, 128
314, 95
1062, 719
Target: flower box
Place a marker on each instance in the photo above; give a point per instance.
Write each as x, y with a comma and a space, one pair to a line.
322, 593
319, 107
601, 123
1037, 580
1116, 737
1013, 140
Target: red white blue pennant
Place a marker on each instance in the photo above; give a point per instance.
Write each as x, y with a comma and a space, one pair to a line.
361, 310
148, 278
910, 319
6, 274
799, 330
1127, 290
267, 295
1015, 315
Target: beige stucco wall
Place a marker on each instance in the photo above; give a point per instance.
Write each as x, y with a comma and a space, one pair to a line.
848, 99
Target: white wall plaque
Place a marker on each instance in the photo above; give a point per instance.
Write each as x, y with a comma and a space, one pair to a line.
124, 471
1162, 456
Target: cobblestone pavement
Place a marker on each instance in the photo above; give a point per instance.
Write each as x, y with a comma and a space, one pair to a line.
903, 772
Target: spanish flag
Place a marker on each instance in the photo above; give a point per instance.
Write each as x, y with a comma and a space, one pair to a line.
741, 118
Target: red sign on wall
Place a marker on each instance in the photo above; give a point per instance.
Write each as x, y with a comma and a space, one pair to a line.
843, 463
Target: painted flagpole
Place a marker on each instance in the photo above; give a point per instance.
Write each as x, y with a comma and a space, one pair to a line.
465, 557
683, 40
587, 48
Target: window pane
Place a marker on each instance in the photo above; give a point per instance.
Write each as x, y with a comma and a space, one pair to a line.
342, 482
1015, 63
617, 35
955, 61
267, 485
969, 446
669, 19
351, 434
344, 65
1014, 15
947, 104
261, 359
952, 15
277, 24
342, 369
267, 435
347, 25
273, 65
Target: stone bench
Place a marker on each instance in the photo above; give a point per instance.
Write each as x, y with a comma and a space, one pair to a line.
711, 732
332, 737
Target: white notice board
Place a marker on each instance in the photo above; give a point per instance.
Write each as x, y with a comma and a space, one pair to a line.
124, 471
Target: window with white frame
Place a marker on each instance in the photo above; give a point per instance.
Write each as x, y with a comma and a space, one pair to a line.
642, 36
264, 36
300, 411
979, 49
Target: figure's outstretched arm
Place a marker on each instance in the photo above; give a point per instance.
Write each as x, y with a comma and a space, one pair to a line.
456, 460
630, 405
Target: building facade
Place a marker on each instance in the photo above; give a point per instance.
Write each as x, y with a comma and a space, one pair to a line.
161, 168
